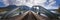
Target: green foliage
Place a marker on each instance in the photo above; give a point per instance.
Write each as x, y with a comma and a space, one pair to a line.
19, 10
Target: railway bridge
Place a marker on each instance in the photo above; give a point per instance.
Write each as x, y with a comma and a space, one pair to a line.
29, 15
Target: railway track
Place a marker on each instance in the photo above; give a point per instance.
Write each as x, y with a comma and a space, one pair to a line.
30, 15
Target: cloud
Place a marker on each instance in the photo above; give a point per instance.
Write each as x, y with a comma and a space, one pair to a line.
51, 0
30, 2
1, 0
6, 2
37, 2
50, 4
2, 3
21, 2
51, 7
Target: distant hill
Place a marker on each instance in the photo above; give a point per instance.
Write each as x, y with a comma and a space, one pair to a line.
23, 7
10, 7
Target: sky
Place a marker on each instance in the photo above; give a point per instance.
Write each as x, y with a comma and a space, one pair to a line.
48, 4
57, 2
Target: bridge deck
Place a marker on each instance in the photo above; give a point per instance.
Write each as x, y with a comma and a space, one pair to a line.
28, 16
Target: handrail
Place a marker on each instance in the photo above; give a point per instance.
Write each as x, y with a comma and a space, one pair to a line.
39, 17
